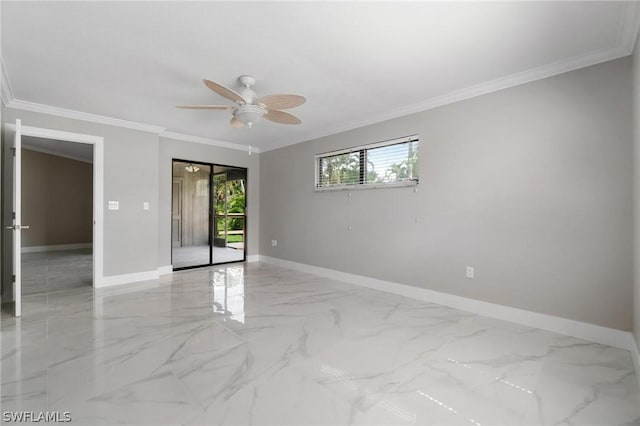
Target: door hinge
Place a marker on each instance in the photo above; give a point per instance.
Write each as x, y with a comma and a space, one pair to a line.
13, 278
13, 151
14, 215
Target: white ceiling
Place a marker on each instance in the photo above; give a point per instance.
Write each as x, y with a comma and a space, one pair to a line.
72, 150
356, 62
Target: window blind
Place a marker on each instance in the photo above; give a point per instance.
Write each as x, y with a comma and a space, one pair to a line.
379, 164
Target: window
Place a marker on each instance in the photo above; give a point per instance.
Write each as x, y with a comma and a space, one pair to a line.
389, 163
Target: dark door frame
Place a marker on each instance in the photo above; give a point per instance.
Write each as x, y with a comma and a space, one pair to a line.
211, 212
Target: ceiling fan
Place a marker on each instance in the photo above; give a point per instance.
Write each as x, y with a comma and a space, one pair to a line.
250, 109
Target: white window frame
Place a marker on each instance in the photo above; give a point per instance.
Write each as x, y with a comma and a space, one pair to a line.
360, 185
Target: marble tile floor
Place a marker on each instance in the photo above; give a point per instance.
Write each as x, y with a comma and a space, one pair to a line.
199, 255
56, 270
255, 344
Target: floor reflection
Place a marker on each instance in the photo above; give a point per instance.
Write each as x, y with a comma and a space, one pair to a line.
228, 292
258, 344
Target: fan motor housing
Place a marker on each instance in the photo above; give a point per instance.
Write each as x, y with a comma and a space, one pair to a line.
249, 114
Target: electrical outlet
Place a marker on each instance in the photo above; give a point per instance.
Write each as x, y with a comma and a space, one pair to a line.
114, 205
470, 271
145, 206
274, 243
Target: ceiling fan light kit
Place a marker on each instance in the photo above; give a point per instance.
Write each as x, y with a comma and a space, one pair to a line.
250, 109
249, 114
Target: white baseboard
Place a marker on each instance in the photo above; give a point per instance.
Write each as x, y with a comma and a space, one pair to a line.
253, 258
165, 270
58, 247
127, 278
595, 333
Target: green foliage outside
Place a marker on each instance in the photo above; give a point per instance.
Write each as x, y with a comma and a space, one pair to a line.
235, 238
405, 170
344, 169
229, 194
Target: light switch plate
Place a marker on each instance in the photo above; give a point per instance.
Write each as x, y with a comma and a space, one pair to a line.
145, 206
114, 205
470, 272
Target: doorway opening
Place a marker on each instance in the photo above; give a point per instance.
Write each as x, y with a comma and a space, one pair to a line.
57, 204
12, 213
208, 214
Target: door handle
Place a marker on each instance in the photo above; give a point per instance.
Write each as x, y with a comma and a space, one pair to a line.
17, 227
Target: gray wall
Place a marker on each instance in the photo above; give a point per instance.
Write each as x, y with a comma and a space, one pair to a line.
636, 180
131, 177
174, 149
7, 209
57, 200
531, 185
137, 169
5, 290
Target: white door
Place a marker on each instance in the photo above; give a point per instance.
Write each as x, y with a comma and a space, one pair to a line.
17, 215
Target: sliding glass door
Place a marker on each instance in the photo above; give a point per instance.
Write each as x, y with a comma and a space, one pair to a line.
208, 214
229, 220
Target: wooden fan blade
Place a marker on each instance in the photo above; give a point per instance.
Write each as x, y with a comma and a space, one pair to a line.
235, 123
204, 107
282, 117
282, 101
223, 91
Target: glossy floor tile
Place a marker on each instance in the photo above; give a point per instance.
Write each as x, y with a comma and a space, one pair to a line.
199, 255
57, 270
257, 344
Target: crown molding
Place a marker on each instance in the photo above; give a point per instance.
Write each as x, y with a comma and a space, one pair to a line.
517, 79
84, 116
628, 31
629, 24
6, 92
110, 121
213, 142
